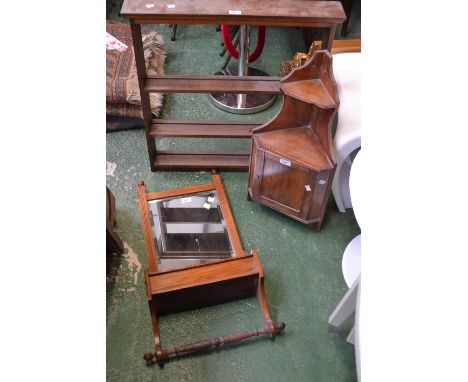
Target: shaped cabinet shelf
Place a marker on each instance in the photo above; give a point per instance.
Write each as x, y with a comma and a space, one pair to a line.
310, 91
292, 160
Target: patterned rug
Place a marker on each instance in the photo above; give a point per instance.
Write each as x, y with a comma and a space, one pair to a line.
122, 91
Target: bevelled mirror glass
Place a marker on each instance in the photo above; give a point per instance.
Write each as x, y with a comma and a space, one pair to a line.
189, 230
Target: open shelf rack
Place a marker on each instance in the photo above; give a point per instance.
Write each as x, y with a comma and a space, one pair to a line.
293, 13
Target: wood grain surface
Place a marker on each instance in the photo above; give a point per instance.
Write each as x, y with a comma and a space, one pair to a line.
256, 12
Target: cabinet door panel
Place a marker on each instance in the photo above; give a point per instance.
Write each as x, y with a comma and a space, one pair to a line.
283, 184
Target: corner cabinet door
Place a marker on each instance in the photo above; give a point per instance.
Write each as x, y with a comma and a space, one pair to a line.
282, 184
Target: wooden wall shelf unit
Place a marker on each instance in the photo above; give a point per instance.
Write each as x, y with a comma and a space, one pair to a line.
292, 158
294, 13
195, 259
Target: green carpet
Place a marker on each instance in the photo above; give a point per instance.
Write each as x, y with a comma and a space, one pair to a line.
303, 274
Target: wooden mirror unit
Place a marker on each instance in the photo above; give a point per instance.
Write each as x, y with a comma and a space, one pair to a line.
195, 259
292, 160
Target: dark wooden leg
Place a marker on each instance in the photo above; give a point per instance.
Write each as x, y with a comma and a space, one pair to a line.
348, 5
145, 100
174, 32
306, 37
249, 198
113, 242
328, 36
317, 226
344, 29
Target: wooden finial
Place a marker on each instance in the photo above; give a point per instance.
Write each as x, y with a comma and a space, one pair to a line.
280, 327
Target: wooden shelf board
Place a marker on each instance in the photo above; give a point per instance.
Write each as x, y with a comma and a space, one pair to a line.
277, 12
212, 84
202, 160
308, 149
212, 129
311, 91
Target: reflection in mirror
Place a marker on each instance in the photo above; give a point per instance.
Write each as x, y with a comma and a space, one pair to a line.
189, 230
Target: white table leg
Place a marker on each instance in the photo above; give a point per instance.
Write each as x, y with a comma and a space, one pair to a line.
346, 306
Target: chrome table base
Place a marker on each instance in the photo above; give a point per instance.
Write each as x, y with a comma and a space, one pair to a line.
242, 103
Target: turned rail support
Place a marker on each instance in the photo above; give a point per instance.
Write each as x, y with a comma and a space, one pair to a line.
212, 343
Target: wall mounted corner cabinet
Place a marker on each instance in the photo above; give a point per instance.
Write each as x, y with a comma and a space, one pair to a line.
292, 157
293, 13
195, 259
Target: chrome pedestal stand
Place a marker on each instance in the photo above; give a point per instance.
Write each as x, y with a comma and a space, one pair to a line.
242, 103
